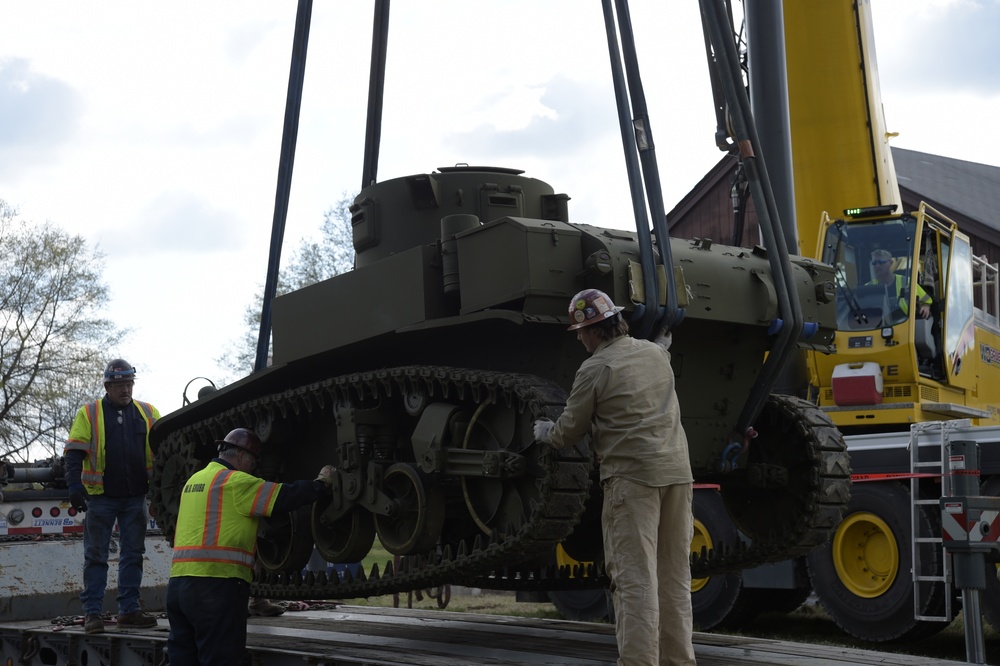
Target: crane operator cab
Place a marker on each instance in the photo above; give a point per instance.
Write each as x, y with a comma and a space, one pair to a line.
902, 280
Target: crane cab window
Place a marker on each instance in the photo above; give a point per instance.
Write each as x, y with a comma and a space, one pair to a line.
873, 260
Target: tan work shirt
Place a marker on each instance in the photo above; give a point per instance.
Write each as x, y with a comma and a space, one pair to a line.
625, 393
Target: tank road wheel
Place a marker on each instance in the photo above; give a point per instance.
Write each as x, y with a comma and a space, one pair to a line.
415, 524
284, 543
345, 540
713, 598
862, 576
174, 464
499, 504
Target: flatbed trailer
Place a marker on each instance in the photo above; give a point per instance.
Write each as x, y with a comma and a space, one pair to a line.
368, 636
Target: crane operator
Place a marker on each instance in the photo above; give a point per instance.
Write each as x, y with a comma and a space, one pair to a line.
882, 274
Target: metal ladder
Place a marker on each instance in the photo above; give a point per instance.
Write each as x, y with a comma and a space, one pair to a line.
933, 432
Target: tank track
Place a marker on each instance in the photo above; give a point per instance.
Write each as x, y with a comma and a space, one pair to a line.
521, 560
806, 513
562, 489
819, 460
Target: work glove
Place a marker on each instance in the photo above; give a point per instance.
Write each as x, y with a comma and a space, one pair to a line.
542, 428
663, 340
326, 475
78, 497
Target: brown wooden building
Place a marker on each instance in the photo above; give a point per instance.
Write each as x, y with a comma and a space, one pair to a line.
967, 192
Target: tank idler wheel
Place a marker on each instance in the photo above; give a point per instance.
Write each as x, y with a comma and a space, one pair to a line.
345, 540
498, 504
284, 543
415, 524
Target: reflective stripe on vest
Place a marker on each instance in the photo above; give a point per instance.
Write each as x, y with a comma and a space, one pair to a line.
217, 555
92, 476
146, 410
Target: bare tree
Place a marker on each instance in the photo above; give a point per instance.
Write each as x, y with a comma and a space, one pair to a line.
313, 261
52, 333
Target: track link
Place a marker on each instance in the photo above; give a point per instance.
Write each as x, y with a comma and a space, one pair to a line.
787, 521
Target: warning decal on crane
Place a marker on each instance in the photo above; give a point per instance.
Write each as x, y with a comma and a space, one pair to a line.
962, 522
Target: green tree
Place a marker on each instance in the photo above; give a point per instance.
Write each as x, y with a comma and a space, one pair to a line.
313, 261
52, 333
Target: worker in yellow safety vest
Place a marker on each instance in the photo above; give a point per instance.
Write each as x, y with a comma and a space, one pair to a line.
883, 275
214, 544
108, 465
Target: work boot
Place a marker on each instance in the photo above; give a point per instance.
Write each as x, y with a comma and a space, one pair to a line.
93, 624
136, 620
264, 608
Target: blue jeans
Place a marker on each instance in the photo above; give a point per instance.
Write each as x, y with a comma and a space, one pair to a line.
102, 512
208, 621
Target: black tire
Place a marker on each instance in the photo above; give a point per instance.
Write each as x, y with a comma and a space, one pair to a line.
715, 600
862, 574
582, 605
777, 601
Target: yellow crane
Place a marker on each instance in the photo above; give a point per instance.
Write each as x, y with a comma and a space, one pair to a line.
918, 339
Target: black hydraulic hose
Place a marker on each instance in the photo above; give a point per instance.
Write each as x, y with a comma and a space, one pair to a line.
718, 96
790, 311
293, 105
376, 88
650, 312
647, 157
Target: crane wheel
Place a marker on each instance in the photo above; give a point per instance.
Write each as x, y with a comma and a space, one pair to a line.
862, 574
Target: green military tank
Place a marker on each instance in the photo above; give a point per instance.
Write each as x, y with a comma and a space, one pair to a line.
420, 374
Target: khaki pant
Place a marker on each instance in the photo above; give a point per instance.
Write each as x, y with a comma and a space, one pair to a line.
647, 547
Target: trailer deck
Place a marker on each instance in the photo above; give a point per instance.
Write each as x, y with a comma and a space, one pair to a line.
368, 636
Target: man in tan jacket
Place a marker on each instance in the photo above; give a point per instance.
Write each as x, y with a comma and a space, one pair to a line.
624, 394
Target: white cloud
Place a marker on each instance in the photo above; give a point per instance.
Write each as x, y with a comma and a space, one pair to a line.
154, 130
38, 115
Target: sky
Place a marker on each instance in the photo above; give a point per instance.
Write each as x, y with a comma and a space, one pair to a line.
153, 130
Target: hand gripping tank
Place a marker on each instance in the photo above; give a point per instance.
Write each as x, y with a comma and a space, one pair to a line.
421, 372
